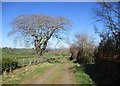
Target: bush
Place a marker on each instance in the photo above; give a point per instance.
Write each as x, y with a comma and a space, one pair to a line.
107, 59
8, 63
83, 49
74, 51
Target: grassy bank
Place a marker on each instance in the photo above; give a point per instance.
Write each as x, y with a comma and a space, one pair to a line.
25, 73
81, 76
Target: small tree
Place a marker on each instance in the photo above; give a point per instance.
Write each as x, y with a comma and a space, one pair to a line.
86, 48
73, 50
83, 48
38, 29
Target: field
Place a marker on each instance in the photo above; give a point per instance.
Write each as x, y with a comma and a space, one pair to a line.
27, 56
58, 71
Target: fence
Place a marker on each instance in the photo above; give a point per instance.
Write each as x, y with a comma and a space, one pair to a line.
29, 61
20, 62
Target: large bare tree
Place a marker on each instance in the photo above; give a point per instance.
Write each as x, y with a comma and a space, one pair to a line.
38, 29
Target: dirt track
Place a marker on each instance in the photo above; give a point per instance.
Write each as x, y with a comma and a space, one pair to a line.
59, 74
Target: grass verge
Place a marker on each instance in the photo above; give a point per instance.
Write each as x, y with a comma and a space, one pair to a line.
25, 73
81, 76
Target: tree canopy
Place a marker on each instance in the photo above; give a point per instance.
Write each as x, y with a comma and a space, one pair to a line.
38, 29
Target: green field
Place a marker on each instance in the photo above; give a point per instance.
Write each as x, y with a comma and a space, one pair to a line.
27, 73
25, 56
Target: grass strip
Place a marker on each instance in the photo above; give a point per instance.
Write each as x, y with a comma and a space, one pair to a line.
25, 73
81, 76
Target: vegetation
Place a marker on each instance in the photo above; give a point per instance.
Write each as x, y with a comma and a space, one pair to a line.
90, 64
81, 76
9, 64
82, 50
107, 56
38, 29
105, 69
24, 57
25, 73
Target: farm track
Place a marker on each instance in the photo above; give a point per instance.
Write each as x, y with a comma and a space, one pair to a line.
59, 74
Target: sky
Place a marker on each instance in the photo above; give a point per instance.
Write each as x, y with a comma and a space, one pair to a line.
79, 13
0, 24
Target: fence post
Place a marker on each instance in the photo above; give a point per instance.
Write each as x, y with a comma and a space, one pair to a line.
23, 62
5, 73
38, 61
30, 61
34, 60
10, 70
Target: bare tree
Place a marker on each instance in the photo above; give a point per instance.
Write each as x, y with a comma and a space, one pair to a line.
38, 29
83, 48
109, 15
107, 55
86, 47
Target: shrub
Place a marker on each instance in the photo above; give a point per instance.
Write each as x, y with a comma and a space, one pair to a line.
107, 59
83, 49
8, 63
74, 51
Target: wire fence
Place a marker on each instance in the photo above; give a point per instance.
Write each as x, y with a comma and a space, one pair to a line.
29, 61
22, 62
